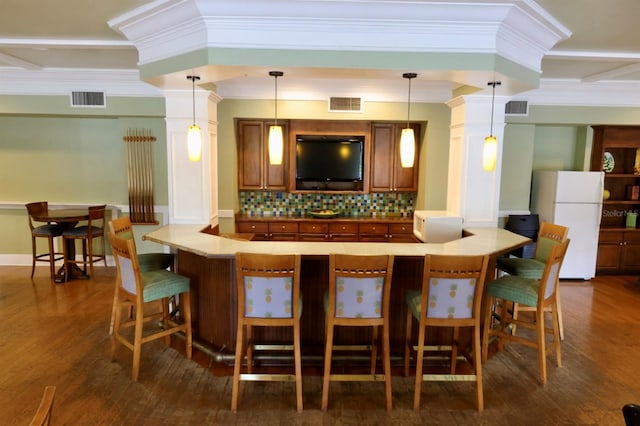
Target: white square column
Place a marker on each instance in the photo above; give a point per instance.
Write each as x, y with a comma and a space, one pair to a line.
472, 192
193, 186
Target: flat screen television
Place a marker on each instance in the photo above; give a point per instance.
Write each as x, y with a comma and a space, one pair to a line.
329, 158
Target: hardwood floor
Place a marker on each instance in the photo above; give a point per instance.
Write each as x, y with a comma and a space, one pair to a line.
57, 334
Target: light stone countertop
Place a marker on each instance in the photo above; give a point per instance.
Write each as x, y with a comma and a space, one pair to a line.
189, 238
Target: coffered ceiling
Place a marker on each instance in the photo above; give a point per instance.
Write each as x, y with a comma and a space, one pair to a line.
36, 35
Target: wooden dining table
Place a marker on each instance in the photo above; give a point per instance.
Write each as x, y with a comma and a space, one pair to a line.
67, 218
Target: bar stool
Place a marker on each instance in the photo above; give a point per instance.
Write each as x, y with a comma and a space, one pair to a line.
122, 228
137, 289
94, 229
451, 296
268, 296
358, 296
48, 231
540, 294
548, 235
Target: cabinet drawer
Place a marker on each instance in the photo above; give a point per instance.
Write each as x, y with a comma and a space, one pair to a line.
610, 237
343, 228
283, 227
373, 228
314, 228
400, 228
253, 227
632, 236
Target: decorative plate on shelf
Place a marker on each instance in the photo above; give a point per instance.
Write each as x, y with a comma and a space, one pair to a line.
324, 213
608, 163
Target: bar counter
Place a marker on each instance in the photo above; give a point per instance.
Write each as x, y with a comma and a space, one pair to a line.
208, 260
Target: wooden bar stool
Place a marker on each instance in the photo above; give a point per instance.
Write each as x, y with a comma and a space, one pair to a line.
137, 289
451, 296
358, 295
548, 235
268, 296
48, 231
94, 229
540, 294
122, 228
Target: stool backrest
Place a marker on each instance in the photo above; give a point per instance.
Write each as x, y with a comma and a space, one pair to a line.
452, 287
124, 252
268, 285
550, 277
549, 235
359, 286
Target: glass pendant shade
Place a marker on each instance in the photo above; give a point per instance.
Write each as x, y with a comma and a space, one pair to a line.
194, 143
276, 145
490, 149
407, 147
489, 153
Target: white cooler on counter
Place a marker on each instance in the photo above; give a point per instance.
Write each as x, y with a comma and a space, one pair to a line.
436, 226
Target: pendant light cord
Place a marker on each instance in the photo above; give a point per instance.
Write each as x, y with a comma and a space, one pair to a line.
409, 76
493, 100
276, 74
193, 79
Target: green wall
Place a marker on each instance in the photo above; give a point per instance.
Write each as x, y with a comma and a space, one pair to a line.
51, 152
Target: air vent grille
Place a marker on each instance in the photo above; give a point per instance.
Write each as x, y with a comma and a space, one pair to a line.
516, 108
342, 104
88, 99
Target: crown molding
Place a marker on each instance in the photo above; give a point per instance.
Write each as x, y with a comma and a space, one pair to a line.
51, 82
518, 30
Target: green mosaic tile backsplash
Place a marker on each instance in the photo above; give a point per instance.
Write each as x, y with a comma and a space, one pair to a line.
259, 203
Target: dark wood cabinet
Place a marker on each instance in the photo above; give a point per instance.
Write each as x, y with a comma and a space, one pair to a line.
616, 151
619, 252
254, 171
308, 229
387, 174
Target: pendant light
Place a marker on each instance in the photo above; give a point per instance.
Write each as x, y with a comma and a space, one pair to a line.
490, 150
276, 142
194, 137
408, 138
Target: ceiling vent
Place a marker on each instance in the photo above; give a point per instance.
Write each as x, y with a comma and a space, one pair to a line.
337, 104
88, 99
516, 108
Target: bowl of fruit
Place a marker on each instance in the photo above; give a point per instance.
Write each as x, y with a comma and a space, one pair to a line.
324, 213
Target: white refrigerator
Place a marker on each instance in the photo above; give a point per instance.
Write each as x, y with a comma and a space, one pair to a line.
572, 199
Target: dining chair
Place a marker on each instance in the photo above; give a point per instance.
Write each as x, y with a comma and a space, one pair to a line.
548, 235
451, 297
268, 288
138, 289
42, 416
122, 228
358, 296
94, 229
49, 231
540, 294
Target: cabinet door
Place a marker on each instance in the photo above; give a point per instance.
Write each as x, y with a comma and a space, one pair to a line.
630, 258
387, 174
250, 155
609, 251
254, 171
382, 158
